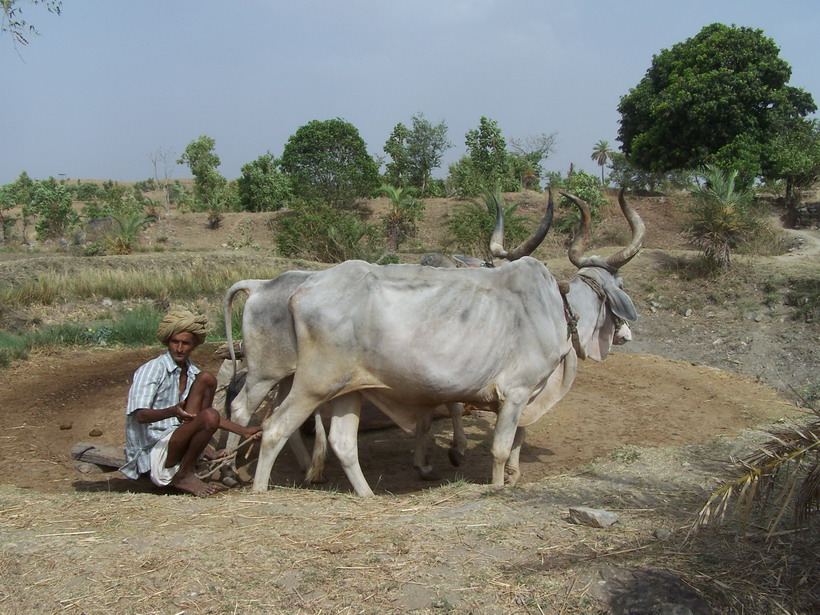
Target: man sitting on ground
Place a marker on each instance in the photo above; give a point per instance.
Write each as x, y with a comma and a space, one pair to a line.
169, 419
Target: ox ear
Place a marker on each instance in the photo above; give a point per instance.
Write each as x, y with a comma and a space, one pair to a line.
469, 261
619, 302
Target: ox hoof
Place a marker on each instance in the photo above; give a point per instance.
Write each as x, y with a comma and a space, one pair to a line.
427, 474
511, 479
455, 455
231, 479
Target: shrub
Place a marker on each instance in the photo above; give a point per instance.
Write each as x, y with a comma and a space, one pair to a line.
472, 223
327, 234
51, 202
721, 217
586, 187
128, 225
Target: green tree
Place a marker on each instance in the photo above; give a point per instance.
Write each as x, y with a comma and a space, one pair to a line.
721, 215
328, 160
397, 171
262, 187
15, 23
16, 194
51, 202
487, 150
400, 219
711, 99
601, 154
201, 159
415, 153
794, 157
7, 221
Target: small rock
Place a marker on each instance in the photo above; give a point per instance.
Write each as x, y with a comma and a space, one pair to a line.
592, 517
95, 433
717, 342
662, 534
688, 312
66, 426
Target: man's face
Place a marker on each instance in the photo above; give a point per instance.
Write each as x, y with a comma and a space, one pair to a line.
181, 346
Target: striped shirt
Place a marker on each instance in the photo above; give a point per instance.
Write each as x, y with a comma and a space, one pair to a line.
155, 386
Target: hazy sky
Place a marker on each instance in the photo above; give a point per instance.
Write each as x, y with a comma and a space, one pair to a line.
108, 82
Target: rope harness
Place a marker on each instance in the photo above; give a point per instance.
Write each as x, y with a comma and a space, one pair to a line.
572, 318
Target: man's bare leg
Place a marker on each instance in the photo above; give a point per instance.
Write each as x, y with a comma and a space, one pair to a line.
186, 446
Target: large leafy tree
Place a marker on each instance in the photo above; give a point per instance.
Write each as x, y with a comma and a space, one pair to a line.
415, 152
262, 187
328, 160
711, 99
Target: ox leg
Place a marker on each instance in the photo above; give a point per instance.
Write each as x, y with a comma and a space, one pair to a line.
421, 459
512, 471
315, 473
459, 444
276, 430
506, 427
297, 444
243, 406
344, 431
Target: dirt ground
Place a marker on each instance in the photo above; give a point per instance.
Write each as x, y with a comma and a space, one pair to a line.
644, 434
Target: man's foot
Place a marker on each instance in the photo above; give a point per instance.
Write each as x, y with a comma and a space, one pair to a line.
195, 486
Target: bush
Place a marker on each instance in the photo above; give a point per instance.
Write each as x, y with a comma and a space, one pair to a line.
327, 234
586, 187
472, 223
88, 192
51, 202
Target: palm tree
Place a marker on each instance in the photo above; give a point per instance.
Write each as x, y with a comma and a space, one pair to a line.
400, 221
602, 154
720, 216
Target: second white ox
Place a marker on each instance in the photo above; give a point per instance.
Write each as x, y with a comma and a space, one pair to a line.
409, 338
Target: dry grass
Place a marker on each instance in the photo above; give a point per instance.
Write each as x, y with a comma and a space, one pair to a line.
459, 548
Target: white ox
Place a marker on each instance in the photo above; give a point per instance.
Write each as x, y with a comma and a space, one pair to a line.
269, 346
409, 338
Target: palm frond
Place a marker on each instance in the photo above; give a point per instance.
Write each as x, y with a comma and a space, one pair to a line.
784, 471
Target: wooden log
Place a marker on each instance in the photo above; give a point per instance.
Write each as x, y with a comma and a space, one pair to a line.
106, 458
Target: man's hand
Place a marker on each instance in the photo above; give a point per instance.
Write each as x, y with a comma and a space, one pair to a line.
180, 413
254, 432
211, 453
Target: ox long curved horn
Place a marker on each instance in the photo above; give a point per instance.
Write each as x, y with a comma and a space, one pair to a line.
579, 244
529, 245
621, 258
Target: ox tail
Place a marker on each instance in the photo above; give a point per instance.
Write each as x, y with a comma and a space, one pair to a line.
235, 384
315, 473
